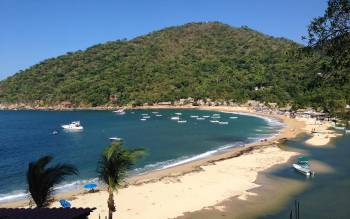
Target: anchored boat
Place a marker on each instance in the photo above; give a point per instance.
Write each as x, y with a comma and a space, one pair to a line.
302, 166
73, 126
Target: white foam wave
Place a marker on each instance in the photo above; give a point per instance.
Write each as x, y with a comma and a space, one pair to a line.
63, 187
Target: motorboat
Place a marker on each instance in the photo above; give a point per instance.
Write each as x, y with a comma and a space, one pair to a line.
179, 114
302, 166
233, 117
73, 126
206, 116
120, 112
115, 139
200, 118
194, 116
158, 115
146, 117
182, 121
143, 119
55, 132
223, 123
214, 121
175, 118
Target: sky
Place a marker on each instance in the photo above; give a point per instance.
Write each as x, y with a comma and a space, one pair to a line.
31, 31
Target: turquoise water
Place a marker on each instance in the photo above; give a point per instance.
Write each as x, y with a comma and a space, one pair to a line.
27, 135
327, 194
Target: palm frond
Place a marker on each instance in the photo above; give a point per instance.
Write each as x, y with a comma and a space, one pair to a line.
41, 180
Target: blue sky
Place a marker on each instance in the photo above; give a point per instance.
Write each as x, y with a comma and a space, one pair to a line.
34, 30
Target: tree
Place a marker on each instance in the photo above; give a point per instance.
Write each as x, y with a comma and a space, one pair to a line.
42, 179
330, 33
114, 163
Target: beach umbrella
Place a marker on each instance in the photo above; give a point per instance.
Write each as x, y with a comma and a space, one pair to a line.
64, 203
90, 186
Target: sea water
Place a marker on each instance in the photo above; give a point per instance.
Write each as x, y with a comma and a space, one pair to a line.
25, 136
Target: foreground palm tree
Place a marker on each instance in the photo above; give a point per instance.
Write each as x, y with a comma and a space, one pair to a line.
114, 163
42, 179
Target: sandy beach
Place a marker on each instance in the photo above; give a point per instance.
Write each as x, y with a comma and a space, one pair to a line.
204, 183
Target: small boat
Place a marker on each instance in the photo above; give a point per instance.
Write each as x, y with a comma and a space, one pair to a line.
214, 121
200, 118
216, 117
302, 166
178, 114
73, 126
347, 131
233, 117
55, 132
206, 116
175, 118
158, 115
144, 114
143, 119
194, 116
115, 139
181, 121
223, 123
339, 127
120, 112
155, 112
146, 117
215, 114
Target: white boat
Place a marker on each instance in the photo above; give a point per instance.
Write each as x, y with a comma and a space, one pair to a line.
302, 169
194, 116
155, 112
214, 121
73, 126
233, 117
146, 117
215, 114
143, 119
347, 131
119, 111
216, 117
302, 166
206, 116
115, 139
200, 118
178, 114
181, 121
175, 118
223, 123
339, 127
158, 115
144, 114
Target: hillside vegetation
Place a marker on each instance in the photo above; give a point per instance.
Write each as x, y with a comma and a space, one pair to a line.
198, 60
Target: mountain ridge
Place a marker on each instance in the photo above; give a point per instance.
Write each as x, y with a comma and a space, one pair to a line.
199, 60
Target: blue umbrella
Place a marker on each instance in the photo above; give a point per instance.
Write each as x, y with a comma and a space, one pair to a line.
90, 186
65, 203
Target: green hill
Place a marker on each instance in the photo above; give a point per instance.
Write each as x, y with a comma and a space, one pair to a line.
199, 60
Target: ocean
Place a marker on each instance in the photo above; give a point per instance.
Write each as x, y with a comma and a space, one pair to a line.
27, 135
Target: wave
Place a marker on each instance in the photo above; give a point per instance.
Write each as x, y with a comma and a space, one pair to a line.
182, 160
61, 188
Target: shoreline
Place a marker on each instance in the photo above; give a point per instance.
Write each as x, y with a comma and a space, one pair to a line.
173, 174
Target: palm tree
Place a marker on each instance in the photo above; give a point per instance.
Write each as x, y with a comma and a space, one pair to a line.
41, 179
114, 163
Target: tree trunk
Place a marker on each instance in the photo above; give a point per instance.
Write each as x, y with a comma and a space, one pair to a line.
110, 202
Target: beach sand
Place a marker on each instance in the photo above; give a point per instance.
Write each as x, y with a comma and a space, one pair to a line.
320, 131
200, 184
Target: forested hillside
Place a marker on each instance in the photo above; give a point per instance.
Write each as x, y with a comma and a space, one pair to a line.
199, 60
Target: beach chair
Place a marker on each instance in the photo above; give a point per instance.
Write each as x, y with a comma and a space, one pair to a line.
64, 203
